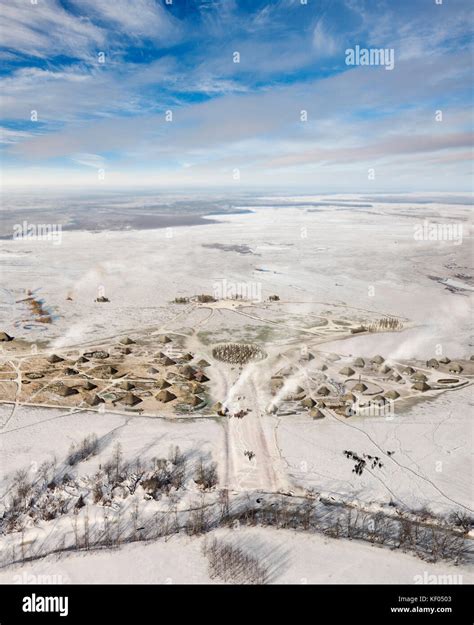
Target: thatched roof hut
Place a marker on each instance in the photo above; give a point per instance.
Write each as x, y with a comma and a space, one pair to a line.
163, 338
359, 362
419, 376
408, 370
360, 387
315, 413
194, 401
377, 360
165, 396
432, 363
81, 360
202, 364
127, 386
201, 377
392, 395
162, 383
4, 337
187, 372
219, 408
129, 399
396, 377
308, 402
94, 400
445, 360
349, 398
324, 391
88, 385
167, 361
127, 341
347, 371
65, 391
152, 370
455, 367
385, 369
421, 386
54, 358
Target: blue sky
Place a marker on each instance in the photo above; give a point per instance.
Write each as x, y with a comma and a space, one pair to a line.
103, 124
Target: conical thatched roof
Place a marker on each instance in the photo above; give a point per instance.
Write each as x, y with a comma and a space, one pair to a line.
203, 363
316, 413
81, 360
165, 396
347, 371
359, 362
408, 370
187, 372
127, 386
445, 360
162, 383
163, 338
5, 337
219, 408
94, 400
392, 395
187, 356
323, 390
54, 358
396, 377
433, 363
89, 386
333, 357
129, 399
324, 367
167, 361
153, 370
308, 402
455, 367
349, 397
127, 341
385, 369
201, 377
195, 400
360, 387
126, 351
65, 391
377, 360
419, 376
421, 386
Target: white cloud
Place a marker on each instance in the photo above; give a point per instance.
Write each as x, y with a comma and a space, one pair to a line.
324, 44
46, 28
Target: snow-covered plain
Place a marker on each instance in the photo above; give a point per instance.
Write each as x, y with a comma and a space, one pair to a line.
358, 260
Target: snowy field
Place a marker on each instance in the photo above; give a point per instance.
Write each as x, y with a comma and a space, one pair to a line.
358, 260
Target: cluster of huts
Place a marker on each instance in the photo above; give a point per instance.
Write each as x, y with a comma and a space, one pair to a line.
352, 392
97, 377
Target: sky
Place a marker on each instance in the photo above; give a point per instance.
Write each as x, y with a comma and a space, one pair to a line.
103, 94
